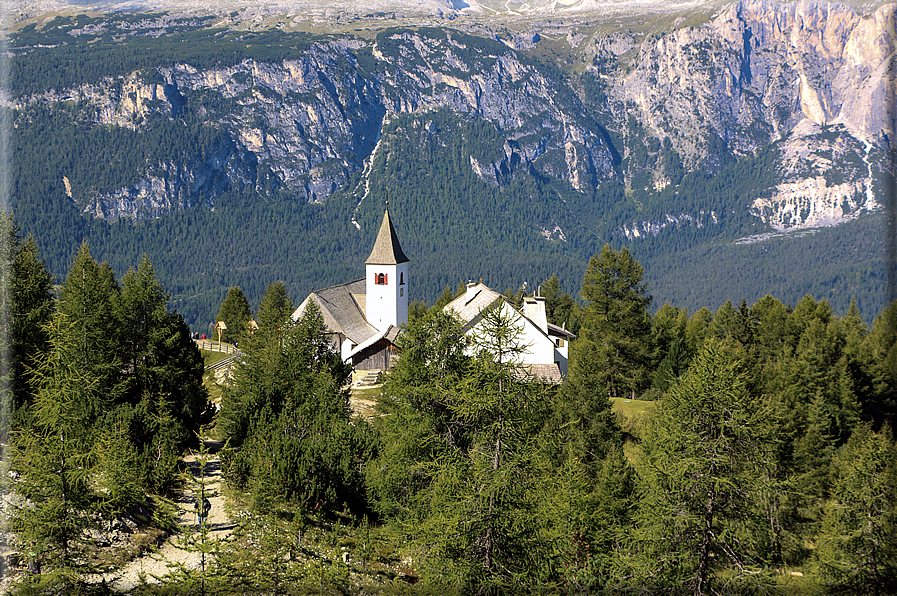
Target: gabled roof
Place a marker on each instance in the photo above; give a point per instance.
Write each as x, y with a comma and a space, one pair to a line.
544, 373
342, 307
387, 250
559, 332
468, 305
389, 334
471, 303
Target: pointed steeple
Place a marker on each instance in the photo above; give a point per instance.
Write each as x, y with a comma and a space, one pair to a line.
387, 250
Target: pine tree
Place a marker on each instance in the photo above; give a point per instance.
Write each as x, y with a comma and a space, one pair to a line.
858, 542
615, 321
288, 411
473, 514
29, 290
165, 367
880, 357
91, 300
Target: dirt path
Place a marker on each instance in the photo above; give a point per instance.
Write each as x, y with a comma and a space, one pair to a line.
177, 550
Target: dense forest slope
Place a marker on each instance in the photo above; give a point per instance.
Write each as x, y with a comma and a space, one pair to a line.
737, 154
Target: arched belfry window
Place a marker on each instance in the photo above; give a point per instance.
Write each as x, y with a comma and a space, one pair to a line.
401, 278
380, 279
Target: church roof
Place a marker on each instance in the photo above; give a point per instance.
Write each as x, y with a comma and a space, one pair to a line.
343, 310
387, 250
476, 298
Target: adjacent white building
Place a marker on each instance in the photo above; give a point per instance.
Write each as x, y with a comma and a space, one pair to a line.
546, 346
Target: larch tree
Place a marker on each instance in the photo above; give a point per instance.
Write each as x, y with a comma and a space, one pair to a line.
857, 546
29, 289
708, 462
479, 521
414, 425
609, 358
166, 402
53, 455
615, 321
288, 412
880, 354
90, 298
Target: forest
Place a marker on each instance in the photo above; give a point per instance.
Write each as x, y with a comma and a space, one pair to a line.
763, 459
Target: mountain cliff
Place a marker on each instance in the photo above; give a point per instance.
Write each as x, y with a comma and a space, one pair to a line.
618, 131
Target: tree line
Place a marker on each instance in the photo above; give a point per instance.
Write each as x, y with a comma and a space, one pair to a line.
769, 447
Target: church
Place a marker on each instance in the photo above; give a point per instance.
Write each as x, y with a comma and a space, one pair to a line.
364, 316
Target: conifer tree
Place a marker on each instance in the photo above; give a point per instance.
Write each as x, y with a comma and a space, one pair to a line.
615, 321
444, 298
707, 462
53, 456
256, 385
28, 287
880, 356
288, 411
858, 542
275, 308
91, 300
611, 355
697, 329
235, 313
415, 425
480, 522
165, 367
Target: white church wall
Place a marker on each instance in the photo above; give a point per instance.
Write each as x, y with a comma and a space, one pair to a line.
346, 349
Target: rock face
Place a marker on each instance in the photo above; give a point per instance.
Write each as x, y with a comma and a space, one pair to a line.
814, 79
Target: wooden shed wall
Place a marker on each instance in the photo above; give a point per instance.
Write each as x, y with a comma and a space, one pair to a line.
377, 357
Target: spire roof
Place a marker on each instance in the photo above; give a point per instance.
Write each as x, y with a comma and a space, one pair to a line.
387, 250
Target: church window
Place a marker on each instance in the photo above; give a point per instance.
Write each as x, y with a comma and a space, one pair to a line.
401, 278
380, 279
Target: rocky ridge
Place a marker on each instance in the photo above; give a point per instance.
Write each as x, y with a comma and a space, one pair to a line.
816, 80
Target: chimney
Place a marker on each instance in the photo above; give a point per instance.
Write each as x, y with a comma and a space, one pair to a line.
470, 292
534, 310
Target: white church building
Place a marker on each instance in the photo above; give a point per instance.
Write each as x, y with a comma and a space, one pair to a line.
365, 316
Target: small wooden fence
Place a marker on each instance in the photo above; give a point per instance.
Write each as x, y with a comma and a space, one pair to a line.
215, 346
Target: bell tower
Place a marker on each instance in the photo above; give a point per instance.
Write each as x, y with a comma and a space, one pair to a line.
386, 279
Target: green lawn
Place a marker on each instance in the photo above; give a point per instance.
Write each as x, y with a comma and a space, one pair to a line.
631, 408
366, 392
212, 357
